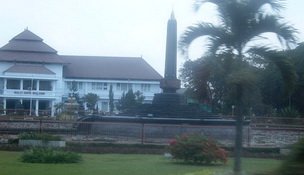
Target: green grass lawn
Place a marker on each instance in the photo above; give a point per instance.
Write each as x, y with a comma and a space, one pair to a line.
124, 164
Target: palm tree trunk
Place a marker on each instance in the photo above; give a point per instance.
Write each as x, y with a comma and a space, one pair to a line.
239, 131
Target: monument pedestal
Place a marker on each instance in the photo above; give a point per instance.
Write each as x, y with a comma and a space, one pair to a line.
168, 99
170, 85
173, 105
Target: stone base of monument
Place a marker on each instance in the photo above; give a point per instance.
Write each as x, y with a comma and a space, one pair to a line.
173, 105
168, 99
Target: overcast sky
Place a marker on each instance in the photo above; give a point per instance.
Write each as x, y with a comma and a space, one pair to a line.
131, 28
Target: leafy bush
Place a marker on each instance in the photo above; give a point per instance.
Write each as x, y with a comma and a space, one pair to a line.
47, 155
294, 164
39, 136
197, 149
288, 112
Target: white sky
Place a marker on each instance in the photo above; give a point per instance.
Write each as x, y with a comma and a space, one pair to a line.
112, 27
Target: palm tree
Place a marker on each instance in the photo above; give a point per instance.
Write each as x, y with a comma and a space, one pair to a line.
241, 22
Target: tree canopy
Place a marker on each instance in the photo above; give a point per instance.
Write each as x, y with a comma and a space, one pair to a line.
91, 100
233, 57
241, 24
129, 102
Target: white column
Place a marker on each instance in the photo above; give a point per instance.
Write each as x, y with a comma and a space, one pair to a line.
4, 105
37, 86
5, 83
86, 84
21, 84
37, 107
53, 86
52, 108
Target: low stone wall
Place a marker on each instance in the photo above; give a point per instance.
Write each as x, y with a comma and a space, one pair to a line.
41, 143
154, 133
34, 125
271, 137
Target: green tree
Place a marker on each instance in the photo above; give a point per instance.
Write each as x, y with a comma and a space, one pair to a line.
59, 107
73, 88
130, 101
74, 91
272, 84
139, 98
297, 57
240, 23
91, 100
111, 99
205, 80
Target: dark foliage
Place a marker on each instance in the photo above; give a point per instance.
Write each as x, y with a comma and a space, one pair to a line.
91, 100
111, 99
294, 164
48, 155
129, 103
39, 136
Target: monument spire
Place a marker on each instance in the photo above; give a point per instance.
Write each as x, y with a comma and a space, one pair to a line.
171, 48
170, 83
172, 17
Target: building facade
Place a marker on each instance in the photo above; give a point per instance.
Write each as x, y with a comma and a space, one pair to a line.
35, 78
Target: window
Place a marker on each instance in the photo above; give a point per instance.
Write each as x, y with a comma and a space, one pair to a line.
80, 85
74, 85
12, 84
99, 86
145, 87
123, 86
45, 85
105, 86
1, 84
105, 106
27, 84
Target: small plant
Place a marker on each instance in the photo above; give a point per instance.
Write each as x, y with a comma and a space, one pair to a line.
197, 149
48, 155
294, 163
288, 112
39, 136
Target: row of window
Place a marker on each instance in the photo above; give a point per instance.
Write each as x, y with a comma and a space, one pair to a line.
43, 85
105, 86
46, 85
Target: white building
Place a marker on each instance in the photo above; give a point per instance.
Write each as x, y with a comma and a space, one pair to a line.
35, 78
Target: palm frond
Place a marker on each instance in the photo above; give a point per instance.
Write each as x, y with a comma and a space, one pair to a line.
225, 43
282, 62
199, 30
270, 24
256, 5
224, 7
198, 3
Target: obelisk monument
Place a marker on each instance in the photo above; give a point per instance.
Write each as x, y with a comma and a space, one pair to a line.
169, 84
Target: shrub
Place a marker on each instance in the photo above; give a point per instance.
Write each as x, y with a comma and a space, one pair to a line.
39, 136
48, 155
197, 149
294, 163
288, 112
